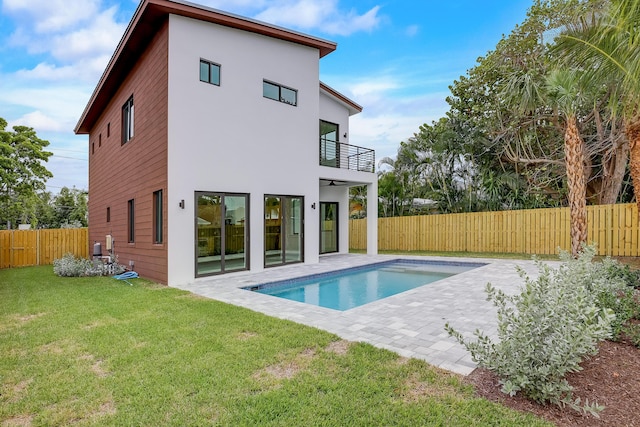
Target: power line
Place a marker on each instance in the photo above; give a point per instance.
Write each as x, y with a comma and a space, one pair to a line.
71, 151
66, 157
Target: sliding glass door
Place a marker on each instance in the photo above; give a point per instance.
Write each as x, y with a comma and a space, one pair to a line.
283, 230
328, 227
221, 233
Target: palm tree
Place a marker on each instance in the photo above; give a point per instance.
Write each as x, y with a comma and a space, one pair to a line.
565, 89
606, 45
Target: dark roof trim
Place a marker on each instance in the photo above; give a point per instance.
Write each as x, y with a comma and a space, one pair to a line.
147, 18
351, 105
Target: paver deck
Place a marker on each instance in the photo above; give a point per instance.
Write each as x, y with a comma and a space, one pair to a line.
410, 323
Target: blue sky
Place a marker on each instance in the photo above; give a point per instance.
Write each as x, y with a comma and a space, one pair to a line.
395, 58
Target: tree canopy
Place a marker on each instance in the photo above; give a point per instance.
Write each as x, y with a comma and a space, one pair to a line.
22, 172
501, 145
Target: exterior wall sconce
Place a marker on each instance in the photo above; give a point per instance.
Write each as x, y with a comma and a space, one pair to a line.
345, 135
181, 204
313, 205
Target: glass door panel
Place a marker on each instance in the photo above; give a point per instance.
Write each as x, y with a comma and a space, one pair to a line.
283, 230
221, 230
293, 229
273, 249
328, 227
235, 239
329, 147
209, 232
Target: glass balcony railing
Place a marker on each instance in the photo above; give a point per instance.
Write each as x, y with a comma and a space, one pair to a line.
344, 156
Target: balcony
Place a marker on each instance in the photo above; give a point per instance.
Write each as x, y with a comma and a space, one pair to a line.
344, 156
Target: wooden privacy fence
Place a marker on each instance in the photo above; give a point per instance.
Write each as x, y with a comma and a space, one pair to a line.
19, 248
533, 231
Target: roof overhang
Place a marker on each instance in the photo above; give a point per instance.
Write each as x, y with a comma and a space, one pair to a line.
352, 106
147, 18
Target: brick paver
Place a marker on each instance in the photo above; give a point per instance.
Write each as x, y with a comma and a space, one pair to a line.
410, 323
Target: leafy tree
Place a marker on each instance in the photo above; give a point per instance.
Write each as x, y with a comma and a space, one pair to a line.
606, 44
22, 172
44, 211
70, 207
502, 143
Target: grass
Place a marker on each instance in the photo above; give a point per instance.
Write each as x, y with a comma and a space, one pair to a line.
96, 351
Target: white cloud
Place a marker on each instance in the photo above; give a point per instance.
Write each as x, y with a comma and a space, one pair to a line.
95, 39
319, 15
412, 30
39, 121
86, 70
98, 38
48, 16
61, 103
237, 6
374, 87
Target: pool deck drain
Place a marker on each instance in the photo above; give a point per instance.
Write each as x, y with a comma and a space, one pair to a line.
410, 323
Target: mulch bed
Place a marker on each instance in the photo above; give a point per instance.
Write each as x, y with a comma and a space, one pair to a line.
611, 378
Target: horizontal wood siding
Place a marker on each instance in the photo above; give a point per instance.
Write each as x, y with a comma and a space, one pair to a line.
614, 228
21, 248
133, 171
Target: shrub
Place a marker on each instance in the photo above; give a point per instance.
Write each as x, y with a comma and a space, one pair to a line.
70, 266
609, 282
624, 272
545, 331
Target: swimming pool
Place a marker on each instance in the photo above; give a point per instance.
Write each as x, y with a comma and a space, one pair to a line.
353, 287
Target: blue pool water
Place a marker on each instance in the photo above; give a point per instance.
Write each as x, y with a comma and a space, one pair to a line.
345, 289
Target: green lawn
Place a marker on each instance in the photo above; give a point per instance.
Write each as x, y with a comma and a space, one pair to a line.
97, 351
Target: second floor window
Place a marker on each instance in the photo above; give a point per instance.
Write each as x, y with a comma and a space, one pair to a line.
279, 93
209, 72
127, 121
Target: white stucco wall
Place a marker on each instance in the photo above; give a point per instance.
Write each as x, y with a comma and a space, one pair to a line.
334, 112
229, 138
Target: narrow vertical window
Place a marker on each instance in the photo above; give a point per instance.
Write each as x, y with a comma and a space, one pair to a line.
209, 72
127, 120
130, 221
93, 147
100, 140
108, 214
108, 129
157, 216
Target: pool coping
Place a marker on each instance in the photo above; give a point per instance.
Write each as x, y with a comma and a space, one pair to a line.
410, 323
289, 283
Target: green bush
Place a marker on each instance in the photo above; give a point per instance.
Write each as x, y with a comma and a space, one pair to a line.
609, 281
70, 266
624, 272
546, 330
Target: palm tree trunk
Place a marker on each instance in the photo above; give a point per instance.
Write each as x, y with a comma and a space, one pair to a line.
574, 159
632, 130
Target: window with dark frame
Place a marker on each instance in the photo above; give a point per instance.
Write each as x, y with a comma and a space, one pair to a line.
209, 72
130, 221
157, 216
127, 120
108, 213
280, 93
100, 140
108, 129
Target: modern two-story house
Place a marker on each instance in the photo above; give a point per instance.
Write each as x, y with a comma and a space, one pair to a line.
214, 148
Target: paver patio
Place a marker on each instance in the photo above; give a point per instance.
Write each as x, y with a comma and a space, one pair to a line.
410, 323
